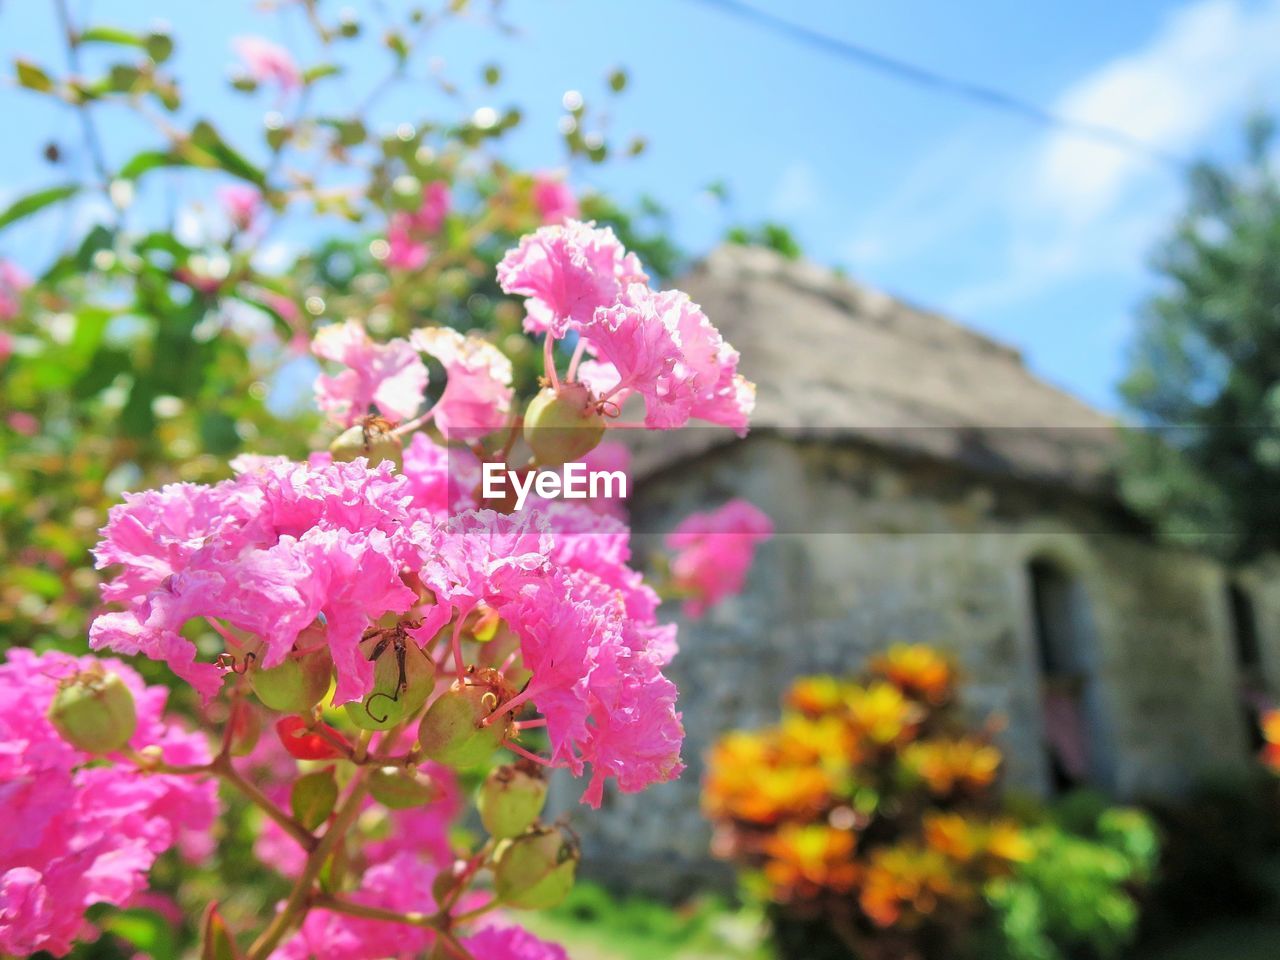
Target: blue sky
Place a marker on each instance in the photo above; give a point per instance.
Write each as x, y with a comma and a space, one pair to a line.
1037, 237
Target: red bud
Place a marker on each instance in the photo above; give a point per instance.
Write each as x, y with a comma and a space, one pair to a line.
305, 744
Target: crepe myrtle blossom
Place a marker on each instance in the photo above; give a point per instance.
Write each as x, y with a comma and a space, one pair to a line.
13, 281
267, 62
662, 347
83, 829
406, 247
566, 272
553, 198
477, 393
389, 376
714, 551
332, 550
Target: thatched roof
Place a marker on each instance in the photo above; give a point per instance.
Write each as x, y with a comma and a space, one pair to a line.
835, 360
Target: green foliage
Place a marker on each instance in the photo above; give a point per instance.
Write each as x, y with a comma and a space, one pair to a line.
771, 236
1075, 896
1204, 375
594, 923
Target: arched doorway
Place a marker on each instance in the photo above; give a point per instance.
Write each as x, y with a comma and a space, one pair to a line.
1250, 679
1067, 650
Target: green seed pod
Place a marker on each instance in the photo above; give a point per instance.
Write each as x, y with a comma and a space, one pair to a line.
370, 440
398, 789
453, 730
403, 678
296, 685
562, 425
510, 801
94, 712
535, 871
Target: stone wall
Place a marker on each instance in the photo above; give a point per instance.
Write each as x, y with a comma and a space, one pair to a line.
874, 548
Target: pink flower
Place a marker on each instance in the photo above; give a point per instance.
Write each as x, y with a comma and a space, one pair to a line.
241, 204
403, 251
78, 833
566, 273
24, 423
390, 376
715, 551
553, 198
402, 885
436, 201
405, 248
13, 281
267, 62
267, 553
442, 480
477, 393
511, 943
662, 347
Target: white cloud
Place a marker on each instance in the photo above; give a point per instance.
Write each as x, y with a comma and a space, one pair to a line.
1084, 208
1206, 61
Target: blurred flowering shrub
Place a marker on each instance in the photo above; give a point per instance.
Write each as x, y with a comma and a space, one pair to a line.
870, 818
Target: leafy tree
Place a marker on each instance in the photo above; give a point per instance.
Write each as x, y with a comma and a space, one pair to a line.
1204, 373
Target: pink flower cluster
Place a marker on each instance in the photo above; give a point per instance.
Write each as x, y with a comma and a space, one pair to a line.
13, 281
392, 378
267, 62
714, 551
553, 198
407, 248
78, 833
285, 546
658, 346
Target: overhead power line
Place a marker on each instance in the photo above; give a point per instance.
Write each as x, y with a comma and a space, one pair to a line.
923, 76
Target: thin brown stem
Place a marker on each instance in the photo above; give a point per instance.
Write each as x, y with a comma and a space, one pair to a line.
305, 838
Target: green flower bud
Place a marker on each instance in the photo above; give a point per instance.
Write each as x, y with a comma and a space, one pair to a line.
562, 425
535, 871
510, 800
296, 685
372, 439
398, 789
453, 730
93, 711
403, 678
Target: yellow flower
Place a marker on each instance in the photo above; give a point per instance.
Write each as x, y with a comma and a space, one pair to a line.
918, 671
805, 860
880, 713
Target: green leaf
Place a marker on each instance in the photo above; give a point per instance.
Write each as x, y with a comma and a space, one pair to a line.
24, 207
216, 942
112, 35
206, 148
319, 73
140, 163
313, 797
32, 76
145, 929
618, 80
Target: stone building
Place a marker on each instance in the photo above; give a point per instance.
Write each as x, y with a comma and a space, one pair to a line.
927, 487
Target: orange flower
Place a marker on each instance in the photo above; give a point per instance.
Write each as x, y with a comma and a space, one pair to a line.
807, 860
905, 884
917, 671
747, 779
947, 766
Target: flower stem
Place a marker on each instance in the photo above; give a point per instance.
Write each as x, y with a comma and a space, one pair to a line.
296, 905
